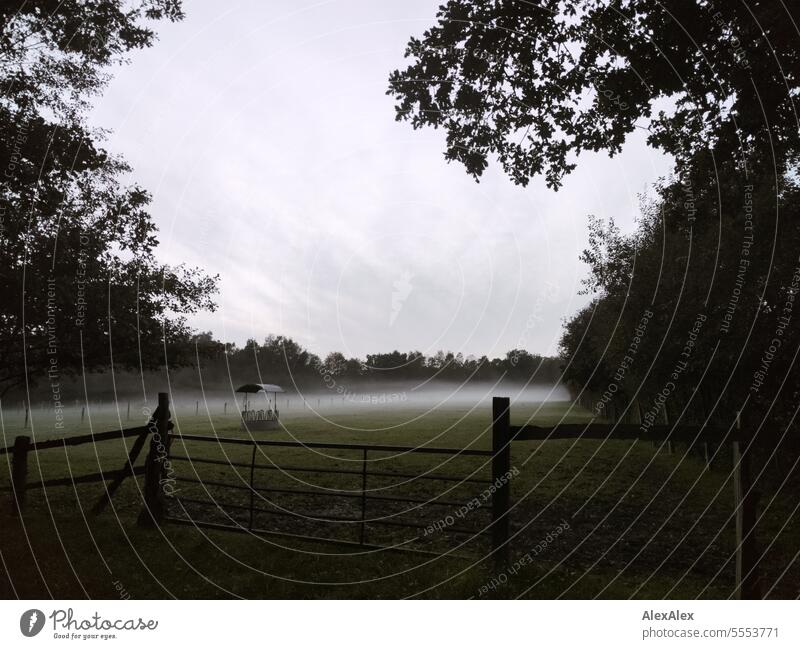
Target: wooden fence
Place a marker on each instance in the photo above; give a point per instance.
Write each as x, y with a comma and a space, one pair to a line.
745, 497
156, 501
23, 447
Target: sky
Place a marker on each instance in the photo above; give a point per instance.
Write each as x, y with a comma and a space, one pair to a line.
264, 132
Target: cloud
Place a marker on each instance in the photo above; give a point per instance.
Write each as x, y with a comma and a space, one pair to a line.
266, 137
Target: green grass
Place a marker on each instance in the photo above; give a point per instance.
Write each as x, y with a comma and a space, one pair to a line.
643, 523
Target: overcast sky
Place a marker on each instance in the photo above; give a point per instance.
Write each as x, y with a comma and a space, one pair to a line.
265, 135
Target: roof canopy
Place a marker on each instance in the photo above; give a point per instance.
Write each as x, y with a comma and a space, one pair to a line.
259, 387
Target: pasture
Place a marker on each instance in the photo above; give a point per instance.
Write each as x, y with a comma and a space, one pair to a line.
641, 522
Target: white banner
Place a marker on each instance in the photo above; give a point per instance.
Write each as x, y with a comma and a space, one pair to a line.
401, 624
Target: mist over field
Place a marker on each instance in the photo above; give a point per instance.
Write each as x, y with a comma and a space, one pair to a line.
390, 395
222, 405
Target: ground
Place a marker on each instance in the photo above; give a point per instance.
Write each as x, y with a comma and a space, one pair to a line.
589, 519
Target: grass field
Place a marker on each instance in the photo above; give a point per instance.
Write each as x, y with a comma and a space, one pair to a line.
640, 522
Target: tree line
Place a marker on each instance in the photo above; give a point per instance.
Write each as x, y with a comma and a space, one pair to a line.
281, 359
210, 366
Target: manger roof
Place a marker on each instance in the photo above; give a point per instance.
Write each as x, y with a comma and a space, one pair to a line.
259, 387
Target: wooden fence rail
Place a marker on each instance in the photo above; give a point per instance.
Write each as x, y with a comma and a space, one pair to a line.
76, 440
610, 432
23, 447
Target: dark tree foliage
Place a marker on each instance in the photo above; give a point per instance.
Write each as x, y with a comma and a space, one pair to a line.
701, 311
536, 83
80, 285
221, 367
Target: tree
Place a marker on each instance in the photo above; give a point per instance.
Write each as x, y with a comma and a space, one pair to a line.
335, 365
713, 299
537, 83
81, 287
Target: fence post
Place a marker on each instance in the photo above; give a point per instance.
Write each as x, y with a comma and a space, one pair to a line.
501, 470
153, 510
252, 486
665, 420
747, 585
637, 416
363, 534
19, 471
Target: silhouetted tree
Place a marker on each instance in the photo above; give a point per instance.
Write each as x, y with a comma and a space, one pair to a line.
536, 83
713, 329
80, 284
